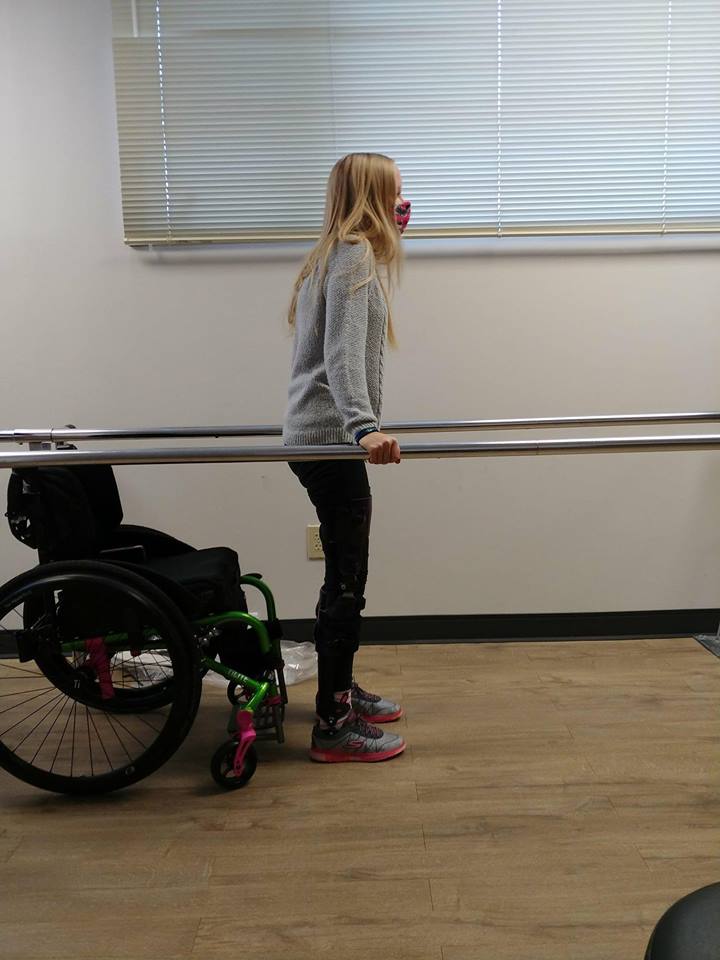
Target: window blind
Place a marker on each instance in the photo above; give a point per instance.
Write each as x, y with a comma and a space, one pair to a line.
506, 117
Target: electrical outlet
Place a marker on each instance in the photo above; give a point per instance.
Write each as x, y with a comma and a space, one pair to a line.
314, 543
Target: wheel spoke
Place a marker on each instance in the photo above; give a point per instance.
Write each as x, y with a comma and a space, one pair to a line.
87, 719
52, 705
108, 717
62, 739
20, 693
72, 757
51, 691
45, 692
137, 739
50, 730
147, 723
9, 666
102, 745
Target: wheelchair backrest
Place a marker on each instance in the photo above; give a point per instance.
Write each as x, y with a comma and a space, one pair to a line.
65, 513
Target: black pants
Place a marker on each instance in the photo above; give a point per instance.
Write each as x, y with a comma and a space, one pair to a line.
340, 492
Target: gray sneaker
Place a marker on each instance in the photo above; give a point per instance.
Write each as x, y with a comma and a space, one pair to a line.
374, 708
354, 741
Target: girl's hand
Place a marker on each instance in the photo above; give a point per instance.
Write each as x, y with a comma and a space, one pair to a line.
381, 447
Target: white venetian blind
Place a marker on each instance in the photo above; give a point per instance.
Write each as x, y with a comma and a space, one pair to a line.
506, 117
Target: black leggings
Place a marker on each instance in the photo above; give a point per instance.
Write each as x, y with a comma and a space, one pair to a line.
340, 492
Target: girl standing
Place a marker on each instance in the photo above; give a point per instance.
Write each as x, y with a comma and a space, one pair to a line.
342, 320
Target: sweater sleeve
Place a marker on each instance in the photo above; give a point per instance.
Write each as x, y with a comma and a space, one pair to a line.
346, 322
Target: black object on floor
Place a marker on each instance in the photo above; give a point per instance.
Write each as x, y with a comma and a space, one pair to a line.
690, 929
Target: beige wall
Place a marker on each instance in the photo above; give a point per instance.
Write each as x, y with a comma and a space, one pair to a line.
100, 335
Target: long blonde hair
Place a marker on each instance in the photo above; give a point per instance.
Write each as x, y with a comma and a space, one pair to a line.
359, 208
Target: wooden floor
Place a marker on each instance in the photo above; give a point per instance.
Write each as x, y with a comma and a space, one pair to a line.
555, 798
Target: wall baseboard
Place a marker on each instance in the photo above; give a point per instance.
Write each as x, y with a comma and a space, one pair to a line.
489, 628
498, 628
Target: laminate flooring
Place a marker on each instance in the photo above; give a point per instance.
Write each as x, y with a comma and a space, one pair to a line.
555, 798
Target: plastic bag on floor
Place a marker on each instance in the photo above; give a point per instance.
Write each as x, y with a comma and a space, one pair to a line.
146, 668
300, 661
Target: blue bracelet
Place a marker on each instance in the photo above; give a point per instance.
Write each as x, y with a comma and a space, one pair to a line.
363, 433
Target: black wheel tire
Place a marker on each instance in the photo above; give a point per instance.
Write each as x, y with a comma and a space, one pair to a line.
221, 766
186, 687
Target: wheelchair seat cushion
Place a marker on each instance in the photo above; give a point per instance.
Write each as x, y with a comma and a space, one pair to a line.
212, 576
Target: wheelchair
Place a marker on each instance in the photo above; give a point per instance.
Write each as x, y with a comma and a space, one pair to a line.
105, 643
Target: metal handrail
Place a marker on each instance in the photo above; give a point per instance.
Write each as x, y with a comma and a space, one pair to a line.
70, 435
411, 451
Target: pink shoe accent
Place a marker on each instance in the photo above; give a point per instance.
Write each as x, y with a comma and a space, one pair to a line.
335, 756
245, 736
99, 661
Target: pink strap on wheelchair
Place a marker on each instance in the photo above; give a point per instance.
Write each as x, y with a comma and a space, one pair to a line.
99, 661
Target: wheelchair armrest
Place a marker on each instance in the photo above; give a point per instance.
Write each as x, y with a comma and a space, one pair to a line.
131, 554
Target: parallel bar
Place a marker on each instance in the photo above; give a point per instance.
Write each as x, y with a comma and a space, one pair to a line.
411, 451
65, 435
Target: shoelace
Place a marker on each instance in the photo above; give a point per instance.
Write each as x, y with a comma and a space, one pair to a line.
364, 695
364, 728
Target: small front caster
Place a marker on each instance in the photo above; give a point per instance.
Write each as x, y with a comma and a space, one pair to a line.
224, 769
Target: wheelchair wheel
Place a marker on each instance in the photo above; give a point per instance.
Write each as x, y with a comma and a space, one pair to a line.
222, 766
69, 720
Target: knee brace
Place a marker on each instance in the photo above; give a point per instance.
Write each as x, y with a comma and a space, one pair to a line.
345, 531
337, 628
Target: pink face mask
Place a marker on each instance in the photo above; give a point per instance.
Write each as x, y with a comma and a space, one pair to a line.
402, 215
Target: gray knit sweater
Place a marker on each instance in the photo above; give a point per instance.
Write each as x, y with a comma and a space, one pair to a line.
337, 365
